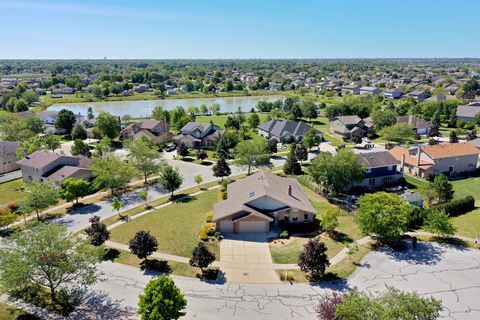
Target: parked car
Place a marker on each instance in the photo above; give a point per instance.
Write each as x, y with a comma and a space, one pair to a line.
171, 147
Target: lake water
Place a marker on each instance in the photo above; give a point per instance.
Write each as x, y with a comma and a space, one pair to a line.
142, 108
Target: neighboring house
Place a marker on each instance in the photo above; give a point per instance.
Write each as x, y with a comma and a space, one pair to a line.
42, 166
419, 95
346, 126
62, 89
419, 126
284, 130
352, 89
467, 113
261, 201
25, 114
393, 93
374, 91
141, 88
8, 159
441, 97
381, 169
428, 160
475, 142
196, 135
155, 130
48, 117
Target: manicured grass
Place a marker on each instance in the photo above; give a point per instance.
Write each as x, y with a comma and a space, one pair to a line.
467, 187
10, 313
467, 225
175, 226
11, 191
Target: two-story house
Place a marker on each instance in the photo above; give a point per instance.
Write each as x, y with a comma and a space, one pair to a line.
196, 135
393, 94
8, 158
432, 160
418, 95
346, 126
262, 200
374, 91
381, 169
419, 126
284, 130
155, 130
42, 166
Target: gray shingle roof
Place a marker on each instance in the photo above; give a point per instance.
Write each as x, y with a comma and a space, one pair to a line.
8, 146
349, 120
467, 111
279, 127
377, 159
414, 121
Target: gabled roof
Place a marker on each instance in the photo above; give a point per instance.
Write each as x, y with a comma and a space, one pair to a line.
149, 124
348, 120
414, 121
468, 111
40, 159
191, 126
8, 146
279, 127
447, 150
377, 159
260, 184
399, 152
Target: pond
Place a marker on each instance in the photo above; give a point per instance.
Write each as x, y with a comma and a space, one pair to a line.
142, 108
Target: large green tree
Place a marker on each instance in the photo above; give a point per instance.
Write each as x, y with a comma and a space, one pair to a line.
107, 125
65, 120
438, 222
38, 196
384, 215
440, 190
398, 133
111, 173
252, 154
170, 179
72, 189
144, 158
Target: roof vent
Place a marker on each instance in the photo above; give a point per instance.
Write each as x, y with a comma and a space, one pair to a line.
251, 194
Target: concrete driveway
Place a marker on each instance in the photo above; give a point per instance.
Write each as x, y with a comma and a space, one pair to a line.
245, 258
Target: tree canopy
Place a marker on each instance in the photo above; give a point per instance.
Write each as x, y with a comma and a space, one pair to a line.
252, 154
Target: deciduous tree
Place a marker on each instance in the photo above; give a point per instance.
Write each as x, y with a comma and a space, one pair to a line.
313, 258
201, 257
144, 158
111, 173
170, 179
65, 120
143, 244
97, 232
38, 196
252, 154
72, 189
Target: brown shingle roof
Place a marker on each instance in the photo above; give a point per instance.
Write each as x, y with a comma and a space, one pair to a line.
447, 150
398, 152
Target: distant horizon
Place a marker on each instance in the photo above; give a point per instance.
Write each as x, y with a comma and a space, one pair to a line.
246, 59
216, 29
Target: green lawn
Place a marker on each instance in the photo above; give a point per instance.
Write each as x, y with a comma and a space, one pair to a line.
468, 224
10, 313
222, 119
175, 226
10, 191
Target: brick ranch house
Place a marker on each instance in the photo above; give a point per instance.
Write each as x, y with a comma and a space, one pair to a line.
261, 201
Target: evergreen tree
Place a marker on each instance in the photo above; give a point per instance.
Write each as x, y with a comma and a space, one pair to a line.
291, 165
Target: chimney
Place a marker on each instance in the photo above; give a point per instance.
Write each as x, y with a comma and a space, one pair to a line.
290, 190
419, 151
402, 164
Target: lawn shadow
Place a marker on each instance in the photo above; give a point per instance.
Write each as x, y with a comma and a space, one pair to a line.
206, 163
183, 198
188, 159
331, 281
212, 275
111, 254
340, 237
424, 254
155, 265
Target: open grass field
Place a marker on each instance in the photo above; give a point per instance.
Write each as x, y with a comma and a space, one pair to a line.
175, 226
11, 191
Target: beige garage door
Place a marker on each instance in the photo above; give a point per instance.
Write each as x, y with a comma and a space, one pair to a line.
252, 226
226, 226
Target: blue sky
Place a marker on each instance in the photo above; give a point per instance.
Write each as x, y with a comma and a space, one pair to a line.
238, 29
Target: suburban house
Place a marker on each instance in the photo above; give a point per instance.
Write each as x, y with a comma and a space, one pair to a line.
346, 126
467, 112
284, 130
262, 200
381, 169
62, 89
42, 166
352, 89
447, 158
419, 126
374, 91
8, 159
418, 95
196, 135
393, 93
441, 97
155, 130
48, 117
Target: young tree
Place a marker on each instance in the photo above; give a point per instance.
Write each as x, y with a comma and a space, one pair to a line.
144, 158
253, 120
97, 232
301, 153
143, 244
170, 179
398, 133
48, 256
182, 150
158, 113
7, 217
438, 222
72, 189
352, 247
198, 179
80, 148
221, 169
144, 196
90, 115
201, 257
252, 154
51, 142
161, 300
117, 205
79, 132
291, 165
311, 139
272, 145
336, 173
107, 125
313, 258
38, 196
329, 219
385, 215
202, 155
327, 305
65, 120
111, 173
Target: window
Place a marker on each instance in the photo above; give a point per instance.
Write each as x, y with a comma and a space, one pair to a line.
294, 218
458, 158
371, 182
306, 217
389, 168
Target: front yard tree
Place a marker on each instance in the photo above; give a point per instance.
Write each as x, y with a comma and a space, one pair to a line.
111, 173
301, 153
48, 256
453, 138
313, 258
198, 179
38, 196
143, 244
202, 155
7, 217
201, 257
51, 142
161, 300
182, 150
107, 125
144, 158
170, 179
97, 232
252, 154
398, 133
309, 110
440, 190
272, 145
253, 120
65, 120
311, 139
291, 165
336, 173
221, 169
80, 148
72, 189
438, 223
79, 132
144, 196
384, 215
117, 205
329, 219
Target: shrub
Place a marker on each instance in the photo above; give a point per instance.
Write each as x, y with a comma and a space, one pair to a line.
287, 276
283, 234
209, 217
217, 234
12, 206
